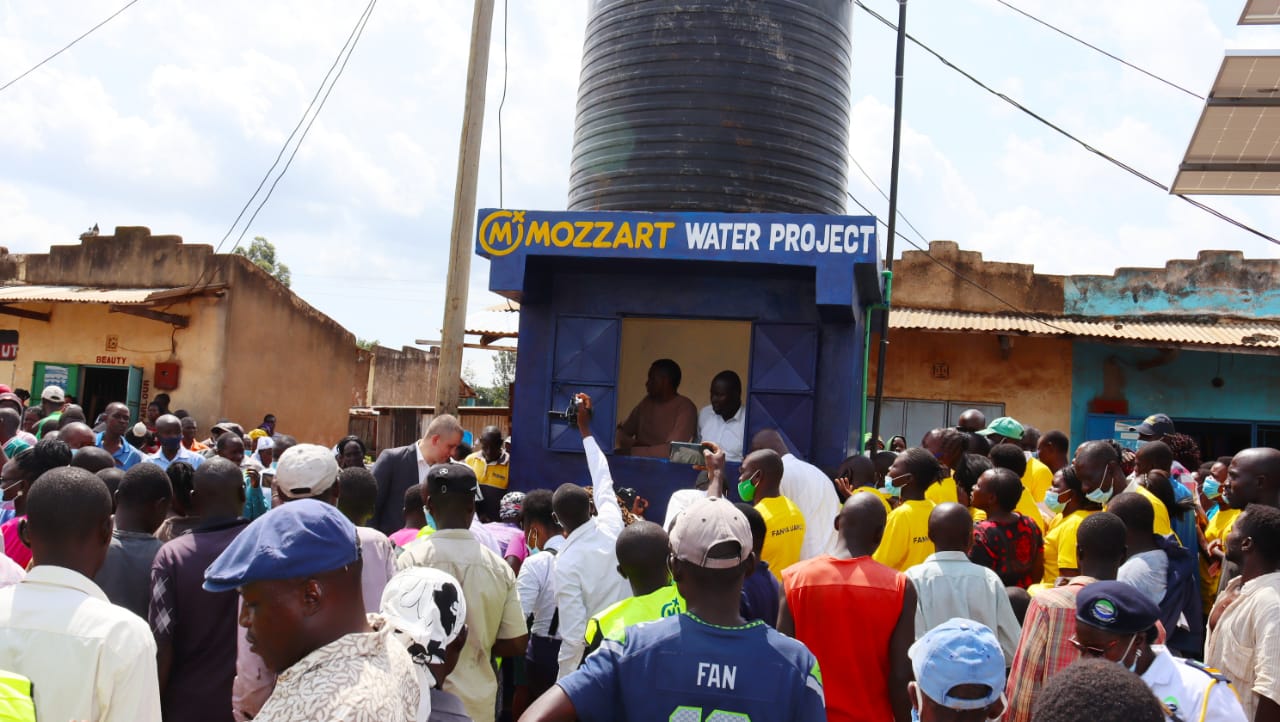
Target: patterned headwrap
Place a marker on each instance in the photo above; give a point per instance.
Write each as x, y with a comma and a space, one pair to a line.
509, 509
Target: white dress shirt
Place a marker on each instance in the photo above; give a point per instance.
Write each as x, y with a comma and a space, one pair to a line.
87, 658
1182, 689
948, 585
726, 434
10, 572
537, 588
814, 493
586, 574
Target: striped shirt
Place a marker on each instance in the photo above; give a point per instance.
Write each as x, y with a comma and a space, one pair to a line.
1044, 649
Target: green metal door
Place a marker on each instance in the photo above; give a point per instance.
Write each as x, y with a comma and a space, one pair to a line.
135, 393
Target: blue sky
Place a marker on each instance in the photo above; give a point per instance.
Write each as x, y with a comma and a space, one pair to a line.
168, 116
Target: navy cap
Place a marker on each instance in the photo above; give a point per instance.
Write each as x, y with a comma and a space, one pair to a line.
294, 540
450, 478
1116, 607
1155, 425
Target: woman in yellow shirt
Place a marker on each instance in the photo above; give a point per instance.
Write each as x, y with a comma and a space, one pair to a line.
906, 534
1068, 497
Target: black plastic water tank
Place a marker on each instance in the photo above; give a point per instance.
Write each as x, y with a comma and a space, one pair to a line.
714, 105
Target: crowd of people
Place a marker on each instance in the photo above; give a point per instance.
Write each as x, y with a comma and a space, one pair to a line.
988, 573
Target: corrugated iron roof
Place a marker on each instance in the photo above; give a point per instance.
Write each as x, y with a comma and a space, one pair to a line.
77, 294
1219, 332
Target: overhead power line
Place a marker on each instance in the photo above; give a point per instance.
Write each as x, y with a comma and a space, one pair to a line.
1045, 121
1087, 44
68, 46
321, 95
925, 250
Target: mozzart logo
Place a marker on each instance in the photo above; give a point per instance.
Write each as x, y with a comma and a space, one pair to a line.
502, 232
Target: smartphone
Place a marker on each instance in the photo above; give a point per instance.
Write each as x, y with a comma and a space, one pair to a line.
686, 453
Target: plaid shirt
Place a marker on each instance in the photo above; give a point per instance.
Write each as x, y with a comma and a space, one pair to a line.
1044, 649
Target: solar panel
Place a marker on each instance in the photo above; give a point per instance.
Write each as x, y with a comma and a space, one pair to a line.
1235, 148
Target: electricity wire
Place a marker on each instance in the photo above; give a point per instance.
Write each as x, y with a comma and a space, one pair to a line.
1087, 44
502, 103
1110, 159
68, 46
317, 104
925, 250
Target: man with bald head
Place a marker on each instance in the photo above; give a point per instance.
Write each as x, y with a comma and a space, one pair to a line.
1253, 478
169, 436
810, 489
195, 630
76, 435
112, 437
760, 484
92, 459
642, 551
972, 420
855, 608
948, 585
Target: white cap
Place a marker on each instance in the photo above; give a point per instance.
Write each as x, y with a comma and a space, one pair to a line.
54, 394
306, 470
265, 442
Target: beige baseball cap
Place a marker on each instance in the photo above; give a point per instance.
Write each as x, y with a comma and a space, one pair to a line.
706, 523
306, 470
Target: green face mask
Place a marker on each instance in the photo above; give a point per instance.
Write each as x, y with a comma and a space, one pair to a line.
747, 488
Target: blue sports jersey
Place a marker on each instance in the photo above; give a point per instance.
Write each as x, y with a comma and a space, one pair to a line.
681, 669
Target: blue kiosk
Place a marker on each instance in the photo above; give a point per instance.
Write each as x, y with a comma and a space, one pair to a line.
781, 299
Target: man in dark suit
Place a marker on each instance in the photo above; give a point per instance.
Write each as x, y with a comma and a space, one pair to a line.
400, 468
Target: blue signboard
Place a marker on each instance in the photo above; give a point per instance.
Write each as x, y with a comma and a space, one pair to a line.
832, 245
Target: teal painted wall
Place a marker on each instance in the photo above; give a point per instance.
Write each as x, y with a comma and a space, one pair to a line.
1180, 388
1216, 283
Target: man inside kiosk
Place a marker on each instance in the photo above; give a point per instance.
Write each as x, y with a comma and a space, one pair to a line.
661, 417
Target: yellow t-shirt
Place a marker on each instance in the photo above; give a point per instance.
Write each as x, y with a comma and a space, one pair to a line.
1161, 525
943, 491
784, 527
490, 474
1060, 544
906, 540
1037, 479
1218, 528
870, 490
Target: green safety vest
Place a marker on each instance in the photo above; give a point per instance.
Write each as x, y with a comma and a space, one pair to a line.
16, 702
612, 623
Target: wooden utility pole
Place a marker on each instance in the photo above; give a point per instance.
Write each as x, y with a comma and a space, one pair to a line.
449, 372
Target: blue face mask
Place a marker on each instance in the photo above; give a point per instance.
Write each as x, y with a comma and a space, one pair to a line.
893, 489
170, 443
1211, 488
1052, 501
1098, 496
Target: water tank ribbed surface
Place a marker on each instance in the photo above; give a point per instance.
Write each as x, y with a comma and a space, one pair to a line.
713, 105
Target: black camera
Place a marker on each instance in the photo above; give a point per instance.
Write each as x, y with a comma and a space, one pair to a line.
570, 414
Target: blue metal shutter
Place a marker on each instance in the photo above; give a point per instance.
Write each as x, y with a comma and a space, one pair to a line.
585, 360
784, 363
